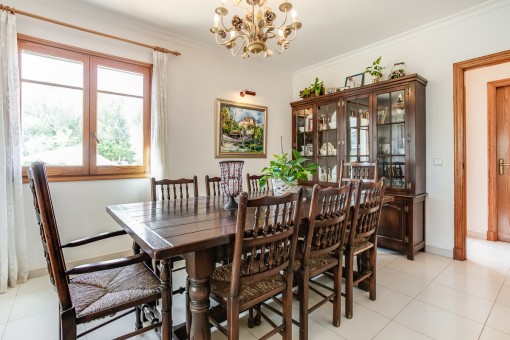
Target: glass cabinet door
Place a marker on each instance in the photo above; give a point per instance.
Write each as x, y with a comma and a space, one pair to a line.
358, 130
304, 123
327, 139
391, 138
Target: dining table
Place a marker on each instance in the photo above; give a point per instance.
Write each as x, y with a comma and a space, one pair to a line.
199, 229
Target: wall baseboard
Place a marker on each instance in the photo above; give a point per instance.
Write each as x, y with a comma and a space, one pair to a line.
439, 251
44, 271
476, 234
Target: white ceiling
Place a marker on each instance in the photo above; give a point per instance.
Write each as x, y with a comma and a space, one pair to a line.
330, 27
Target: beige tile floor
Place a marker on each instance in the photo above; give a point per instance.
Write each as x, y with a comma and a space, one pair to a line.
432, 297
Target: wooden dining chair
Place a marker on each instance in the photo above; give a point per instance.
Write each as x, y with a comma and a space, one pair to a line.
322, 251
213, 183
365, 171
168, 189
362, 240
92, 291
253, 184
261, 268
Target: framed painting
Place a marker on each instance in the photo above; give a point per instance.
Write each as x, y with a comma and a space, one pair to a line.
356, 80
241, 130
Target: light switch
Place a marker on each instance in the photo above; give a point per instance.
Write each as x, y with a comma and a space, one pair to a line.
438, 161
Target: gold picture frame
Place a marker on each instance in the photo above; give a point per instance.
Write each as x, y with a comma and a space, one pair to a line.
240, 130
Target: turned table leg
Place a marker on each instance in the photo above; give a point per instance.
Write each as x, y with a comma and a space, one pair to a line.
166, 300
199, 266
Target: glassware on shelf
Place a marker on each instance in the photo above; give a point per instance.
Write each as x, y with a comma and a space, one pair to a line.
309, 123
231, 181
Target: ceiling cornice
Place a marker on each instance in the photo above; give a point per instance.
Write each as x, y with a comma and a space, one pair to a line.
468, 14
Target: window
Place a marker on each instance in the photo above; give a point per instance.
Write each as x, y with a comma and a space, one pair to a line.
86, 115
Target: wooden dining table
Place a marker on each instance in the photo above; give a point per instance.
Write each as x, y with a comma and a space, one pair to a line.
199, 229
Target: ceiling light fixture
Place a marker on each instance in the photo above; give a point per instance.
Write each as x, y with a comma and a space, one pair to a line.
254, 31
246, 92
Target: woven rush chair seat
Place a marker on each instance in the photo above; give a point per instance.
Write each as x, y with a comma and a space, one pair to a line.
94, 292
359, 247
222, 276
321, 263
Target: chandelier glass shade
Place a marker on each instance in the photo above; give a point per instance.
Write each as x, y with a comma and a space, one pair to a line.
254, 29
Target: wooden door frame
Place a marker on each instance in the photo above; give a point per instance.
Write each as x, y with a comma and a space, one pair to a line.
459, 117
492, 229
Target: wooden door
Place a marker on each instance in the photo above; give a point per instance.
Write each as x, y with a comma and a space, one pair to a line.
503, 159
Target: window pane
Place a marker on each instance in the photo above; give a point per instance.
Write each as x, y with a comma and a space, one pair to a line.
51, 69
52, 125
120, 130
119, 81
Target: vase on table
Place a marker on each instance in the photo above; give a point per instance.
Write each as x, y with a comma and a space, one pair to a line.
232, 181
281, 188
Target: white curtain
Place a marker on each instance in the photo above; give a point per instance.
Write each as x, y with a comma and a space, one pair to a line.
159, 111
13, 244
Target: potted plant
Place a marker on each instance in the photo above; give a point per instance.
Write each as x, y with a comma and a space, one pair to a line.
317, 87
305, 93
375, 70
285, 172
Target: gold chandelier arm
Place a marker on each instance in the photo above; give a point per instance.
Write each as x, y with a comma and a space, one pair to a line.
285, 20
277, 48
239, 49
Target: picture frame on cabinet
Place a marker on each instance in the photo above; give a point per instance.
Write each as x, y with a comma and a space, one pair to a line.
356, 80
240, 130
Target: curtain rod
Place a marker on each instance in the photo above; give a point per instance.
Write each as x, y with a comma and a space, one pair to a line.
35, 16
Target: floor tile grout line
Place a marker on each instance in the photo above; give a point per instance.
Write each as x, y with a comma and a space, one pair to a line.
464, 292
3, 332
414, 277
31, 314
476, 277
413, 299
446, 309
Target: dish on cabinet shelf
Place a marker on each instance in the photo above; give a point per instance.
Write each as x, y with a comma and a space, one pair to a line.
327, 149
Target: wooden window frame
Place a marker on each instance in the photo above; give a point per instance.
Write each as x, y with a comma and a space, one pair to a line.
91, 60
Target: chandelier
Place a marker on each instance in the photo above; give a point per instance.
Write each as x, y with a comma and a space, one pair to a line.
255, 31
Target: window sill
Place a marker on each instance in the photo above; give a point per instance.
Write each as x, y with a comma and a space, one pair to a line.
91, 177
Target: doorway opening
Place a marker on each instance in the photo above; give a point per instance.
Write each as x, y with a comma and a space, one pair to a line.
460, 179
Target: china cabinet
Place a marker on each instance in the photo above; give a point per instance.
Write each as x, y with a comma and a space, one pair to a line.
384, 121
316, 137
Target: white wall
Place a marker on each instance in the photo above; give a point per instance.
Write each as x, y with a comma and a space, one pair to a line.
476, 144
430, 51
195, 79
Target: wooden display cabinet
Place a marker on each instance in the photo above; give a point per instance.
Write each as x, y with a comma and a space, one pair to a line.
384, 122
316, 136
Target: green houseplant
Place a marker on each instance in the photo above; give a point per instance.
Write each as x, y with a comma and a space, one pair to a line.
317, 87
375, 70
285, 172
314, 90
305, 93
